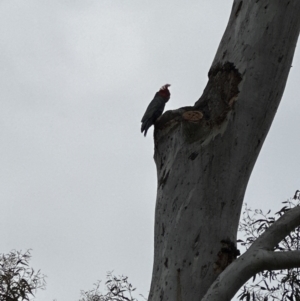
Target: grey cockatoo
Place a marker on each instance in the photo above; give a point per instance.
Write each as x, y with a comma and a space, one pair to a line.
155, 108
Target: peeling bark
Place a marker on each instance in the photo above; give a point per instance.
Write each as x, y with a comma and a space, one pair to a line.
205, 153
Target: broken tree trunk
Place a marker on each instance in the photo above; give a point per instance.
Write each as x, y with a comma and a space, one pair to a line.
205, 153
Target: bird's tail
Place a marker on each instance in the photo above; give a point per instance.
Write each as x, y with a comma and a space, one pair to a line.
145, 126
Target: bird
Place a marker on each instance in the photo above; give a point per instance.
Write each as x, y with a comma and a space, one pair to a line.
155, 108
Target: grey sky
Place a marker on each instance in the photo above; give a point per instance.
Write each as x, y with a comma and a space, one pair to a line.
78, 181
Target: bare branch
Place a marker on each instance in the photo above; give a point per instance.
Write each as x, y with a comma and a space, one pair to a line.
281, 260
257, 258
234, 276
279, 230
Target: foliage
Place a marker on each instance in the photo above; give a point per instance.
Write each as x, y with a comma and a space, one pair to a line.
18, 281
119, 289
283, 285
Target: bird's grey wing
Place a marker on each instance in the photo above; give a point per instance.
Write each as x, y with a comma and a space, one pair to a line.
155, 107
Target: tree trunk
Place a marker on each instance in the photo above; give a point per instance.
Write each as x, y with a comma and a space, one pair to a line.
205, 154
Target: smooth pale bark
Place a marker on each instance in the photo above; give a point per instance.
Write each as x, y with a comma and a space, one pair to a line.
205, 154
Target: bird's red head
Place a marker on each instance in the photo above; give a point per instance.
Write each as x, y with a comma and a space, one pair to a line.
164, 92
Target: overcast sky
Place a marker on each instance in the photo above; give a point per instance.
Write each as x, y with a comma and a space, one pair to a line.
77, 178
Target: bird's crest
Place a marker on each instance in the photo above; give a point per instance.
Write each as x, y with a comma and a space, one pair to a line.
165, 87
164, 92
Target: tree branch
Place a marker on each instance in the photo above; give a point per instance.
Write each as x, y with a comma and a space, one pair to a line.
257, 258
279, 230
281, 260
234, 276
